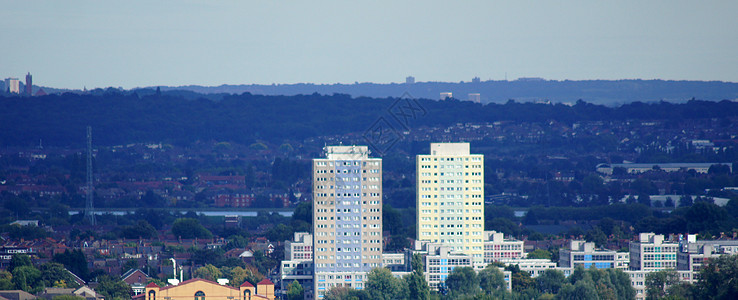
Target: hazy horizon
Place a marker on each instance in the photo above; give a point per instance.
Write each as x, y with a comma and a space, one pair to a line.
80, 43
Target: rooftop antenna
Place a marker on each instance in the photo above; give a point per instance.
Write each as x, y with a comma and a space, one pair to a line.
89, 210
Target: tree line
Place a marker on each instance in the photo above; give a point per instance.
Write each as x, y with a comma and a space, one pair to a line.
120, 118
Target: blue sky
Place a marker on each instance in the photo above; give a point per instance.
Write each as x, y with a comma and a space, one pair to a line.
72, 44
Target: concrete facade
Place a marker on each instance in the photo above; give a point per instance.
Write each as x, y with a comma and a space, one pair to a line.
347, 217
497, 248
652, 253
298, 263
694, 254
450, 198
581, 253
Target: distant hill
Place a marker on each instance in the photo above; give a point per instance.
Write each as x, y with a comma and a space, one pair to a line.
147, 116
606, 92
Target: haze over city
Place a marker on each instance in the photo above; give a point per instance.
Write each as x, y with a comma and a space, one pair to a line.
76, 44
326, 150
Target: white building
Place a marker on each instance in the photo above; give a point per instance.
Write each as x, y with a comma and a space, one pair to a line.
533, 266
396, 262
447, 95
440, 260
581, 253
298, 263
622, 260
497, 248
347, 217
652, 253
638, 281
694, 254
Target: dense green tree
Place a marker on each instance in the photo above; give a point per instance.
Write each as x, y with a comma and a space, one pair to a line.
718, 279
280, 232
669, 202
550, 281
304, 212
596, 236
582, 290
492, 279
236, 241
502, 225
347, 293
19, 260
188, 228
27, 278
142, 230
74, 261
6, 281
418, 288
704, 216
239, 275
207, 256
496, 211
382, 285
15, 204
462, 281
209, 272
657, 283
18, 232
530, 218
621, 284
295, 291
539, 254
681, 290
151, 199
391, 219
265, 263
55, 275
112, 288
520, 280
607, 225
644, 198
417, 263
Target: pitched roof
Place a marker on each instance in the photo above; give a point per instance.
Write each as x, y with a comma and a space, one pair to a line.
16, 295
247, 284
152, 284
265, 281
131, 272
196, 280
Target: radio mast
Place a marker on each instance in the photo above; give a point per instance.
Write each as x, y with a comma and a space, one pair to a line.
89, 210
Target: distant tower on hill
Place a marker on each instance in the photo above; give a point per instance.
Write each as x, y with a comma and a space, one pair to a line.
409, 80
13, 85
475, 97
29, 84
